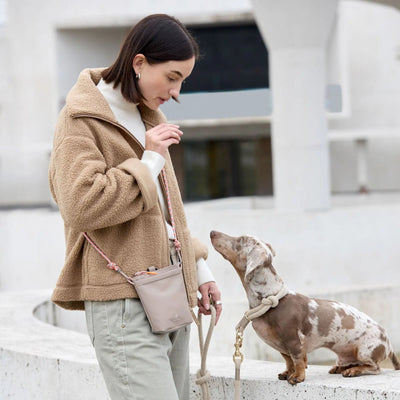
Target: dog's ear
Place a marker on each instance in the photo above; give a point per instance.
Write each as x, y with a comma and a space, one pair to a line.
272, 250
256, 258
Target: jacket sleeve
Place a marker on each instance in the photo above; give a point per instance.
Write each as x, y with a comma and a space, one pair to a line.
92, 196
204, 273
200, 249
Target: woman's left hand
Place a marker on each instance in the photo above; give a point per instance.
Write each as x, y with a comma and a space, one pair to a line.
209, 290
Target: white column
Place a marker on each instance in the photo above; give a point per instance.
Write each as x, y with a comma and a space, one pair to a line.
296, 34
28, 103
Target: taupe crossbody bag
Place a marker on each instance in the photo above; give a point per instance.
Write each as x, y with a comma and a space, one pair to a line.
162, 291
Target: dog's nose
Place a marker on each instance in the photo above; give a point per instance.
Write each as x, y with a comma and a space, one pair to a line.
212, 234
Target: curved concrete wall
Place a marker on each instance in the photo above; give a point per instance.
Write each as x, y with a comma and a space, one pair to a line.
381, 303
349, 249
343, 247
40, 361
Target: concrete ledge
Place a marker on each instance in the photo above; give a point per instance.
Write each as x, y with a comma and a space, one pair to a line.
260, 381
40, 361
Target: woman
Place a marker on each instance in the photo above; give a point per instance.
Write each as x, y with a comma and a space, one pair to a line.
110, 145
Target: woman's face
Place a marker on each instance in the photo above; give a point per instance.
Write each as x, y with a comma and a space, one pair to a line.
159, 82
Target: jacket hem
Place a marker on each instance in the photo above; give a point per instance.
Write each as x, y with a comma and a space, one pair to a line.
73, 298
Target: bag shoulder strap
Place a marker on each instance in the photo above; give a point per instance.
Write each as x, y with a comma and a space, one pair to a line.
176, 241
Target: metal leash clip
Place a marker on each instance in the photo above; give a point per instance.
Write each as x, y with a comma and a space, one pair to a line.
238, 344
237, 359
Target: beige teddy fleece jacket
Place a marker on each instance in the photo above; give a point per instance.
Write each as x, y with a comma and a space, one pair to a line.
101, 187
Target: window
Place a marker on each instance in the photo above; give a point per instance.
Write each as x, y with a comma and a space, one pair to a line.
233, 58
223, 168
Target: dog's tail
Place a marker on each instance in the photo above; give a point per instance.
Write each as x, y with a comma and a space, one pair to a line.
394, 360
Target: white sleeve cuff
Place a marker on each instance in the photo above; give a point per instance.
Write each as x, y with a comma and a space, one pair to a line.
154, 162
204, 274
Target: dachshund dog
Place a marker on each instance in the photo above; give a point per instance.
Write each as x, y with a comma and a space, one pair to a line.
300, 324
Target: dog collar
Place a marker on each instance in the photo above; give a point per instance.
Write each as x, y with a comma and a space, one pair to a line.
266, 304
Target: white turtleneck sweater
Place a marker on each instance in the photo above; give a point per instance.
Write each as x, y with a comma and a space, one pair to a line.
128, 115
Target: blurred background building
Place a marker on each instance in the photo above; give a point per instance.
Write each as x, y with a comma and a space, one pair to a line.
228, 102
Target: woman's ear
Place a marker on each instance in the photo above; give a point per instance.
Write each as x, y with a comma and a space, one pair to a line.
138, 62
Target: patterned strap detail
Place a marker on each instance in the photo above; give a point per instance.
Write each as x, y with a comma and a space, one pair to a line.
110, 264
176, 241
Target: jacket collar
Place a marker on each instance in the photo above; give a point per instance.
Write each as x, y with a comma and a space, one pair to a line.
85, 99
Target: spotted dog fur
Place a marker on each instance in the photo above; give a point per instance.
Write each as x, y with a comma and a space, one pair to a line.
300, 324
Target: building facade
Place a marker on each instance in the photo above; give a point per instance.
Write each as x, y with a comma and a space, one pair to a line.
229, 105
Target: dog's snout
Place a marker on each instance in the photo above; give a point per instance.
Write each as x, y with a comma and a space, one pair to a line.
213, 234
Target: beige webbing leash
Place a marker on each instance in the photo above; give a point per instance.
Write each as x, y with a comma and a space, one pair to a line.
203, 376
266, 304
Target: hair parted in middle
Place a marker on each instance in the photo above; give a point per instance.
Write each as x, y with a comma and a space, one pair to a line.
160, 38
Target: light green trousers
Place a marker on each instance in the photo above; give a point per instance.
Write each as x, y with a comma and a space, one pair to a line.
137, 364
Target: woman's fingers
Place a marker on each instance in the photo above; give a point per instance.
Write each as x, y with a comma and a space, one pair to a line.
209, 292
161, 137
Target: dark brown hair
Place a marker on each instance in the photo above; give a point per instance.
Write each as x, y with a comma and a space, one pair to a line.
160, 38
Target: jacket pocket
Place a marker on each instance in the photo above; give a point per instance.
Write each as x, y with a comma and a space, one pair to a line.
96, 270
133, 247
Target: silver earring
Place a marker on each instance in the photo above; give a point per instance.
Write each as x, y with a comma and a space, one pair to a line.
138, 76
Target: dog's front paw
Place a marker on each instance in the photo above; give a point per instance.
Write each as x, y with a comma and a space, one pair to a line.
296, 378
336, 370
283, 376
351, 372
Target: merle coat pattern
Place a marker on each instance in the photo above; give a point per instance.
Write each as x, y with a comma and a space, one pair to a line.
300, 324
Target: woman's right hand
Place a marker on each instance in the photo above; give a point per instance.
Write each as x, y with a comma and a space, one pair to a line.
160, 137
